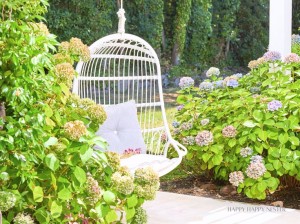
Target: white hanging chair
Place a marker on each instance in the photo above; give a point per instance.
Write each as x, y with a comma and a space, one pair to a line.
125, 67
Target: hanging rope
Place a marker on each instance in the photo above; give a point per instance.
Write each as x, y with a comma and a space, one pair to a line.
122, 19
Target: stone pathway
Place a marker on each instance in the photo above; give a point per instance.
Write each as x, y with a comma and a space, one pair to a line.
170, 208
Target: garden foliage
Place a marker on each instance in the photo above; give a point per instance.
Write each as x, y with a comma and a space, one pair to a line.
296, 44
49, 170
201, 32
245, 129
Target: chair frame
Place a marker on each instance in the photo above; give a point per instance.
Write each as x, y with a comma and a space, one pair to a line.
141, 45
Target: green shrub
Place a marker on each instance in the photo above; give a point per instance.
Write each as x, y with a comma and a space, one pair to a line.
245, 130
296, 44
50, 172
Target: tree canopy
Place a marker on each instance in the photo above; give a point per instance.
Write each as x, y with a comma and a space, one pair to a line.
193, 32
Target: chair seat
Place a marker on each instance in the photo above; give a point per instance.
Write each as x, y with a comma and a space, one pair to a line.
160, 164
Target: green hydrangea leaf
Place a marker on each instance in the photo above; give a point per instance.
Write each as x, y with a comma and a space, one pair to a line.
206, 157
86, 153
52, 162
56, 209
109, 197
38, 194
294, 140
130, 212
132, 201
249, 124
42, 216
262, 186
51, 141
65, 194
258, 115
111, 216
80, 175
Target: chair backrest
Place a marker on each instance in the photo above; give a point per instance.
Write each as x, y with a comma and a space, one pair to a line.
124, 67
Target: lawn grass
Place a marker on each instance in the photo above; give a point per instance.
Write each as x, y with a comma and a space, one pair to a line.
170, 96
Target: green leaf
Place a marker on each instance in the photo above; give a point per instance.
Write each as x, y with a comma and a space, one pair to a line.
181, 99
38, 194
258, 115
269, 122
277, 164
189, 156
50, 141
64, 88
249, 182
274, 152
63, 180
283, 138
217, 159
249, 124
267, 174
216, 148
42, 216
98, 211
48, 111
132, 201
81, 202
56, 209
4, 176
65, 194
272, 182
269, 167
111, 216
86, 154
80, 175
104, 210
262, 186
231, 143
242, 140
130, 212
53, 181
294, 140
109, 197
206, 157
263, 135
52, 162
287, 166
294, 121
284, 152
258, 148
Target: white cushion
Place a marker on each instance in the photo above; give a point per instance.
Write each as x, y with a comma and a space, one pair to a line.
160, 164
121, 129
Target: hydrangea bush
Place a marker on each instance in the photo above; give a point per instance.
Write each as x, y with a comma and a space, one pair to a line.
50, 171
296, 44
246, 128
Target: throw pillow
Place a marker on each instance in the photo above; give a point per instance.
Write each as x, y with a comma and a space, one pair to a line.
121, 128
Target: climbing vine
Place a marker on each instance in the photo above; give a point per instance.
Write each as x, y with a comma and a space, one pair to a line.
224, 29
145, 18
251, 43
200, 23
88, 20
203, 32
183, 12
296, 16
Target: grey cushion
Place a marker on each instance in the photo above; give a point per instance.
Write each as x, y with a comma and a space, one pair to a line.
121, 128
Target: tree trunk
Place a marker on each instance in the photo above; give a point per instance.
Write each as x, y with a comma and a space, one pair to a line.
227, 48
175, 55
2, 114
163, 41
220, 56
